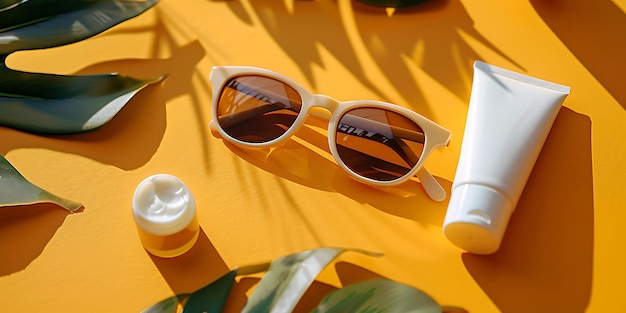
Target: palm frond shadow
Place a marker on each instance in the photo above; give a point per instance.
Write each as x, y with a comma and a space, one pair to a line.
428, 38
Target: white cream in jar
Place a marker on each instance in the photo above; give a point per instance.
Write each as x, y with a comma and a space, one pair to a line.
164, 210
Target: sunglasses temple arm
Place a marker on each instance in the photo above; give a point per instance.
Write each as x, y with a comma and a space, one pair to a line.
384, 129
432, 187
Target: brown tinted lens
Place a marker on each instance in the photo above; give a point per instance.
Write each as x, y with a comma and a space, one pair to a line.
257, 108
378, 144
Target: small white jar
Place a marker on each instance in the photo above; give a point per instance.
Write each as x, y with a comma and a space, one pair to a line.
165, 213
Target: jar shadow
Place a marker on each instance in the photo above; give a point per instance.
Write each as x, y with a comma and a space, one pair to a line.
194, 269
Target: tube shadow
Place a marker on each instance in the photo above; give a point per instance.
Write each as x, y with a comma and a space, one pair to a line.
594, 32
545, 262
25, 231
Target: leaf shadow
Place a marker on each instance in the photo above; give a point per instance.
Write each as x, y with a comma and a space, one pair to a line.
296, 162
238, 298
350, 274
594, 32
25, 230
126, 141
292, 30
430, 36
132, 137
545, 263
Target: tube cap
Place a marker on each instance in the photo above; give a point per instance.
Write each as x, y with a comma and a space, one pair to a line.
477, 218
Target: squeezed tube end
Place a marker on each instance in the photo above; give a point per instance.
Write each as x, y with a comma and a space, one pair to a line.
477, 218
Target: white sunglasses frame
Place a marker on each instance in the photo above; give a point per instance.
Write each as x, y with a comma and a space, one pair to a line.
435, 135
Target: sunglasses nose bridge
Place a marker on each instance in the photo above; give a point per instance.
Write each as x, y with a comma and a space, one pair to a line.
326, 102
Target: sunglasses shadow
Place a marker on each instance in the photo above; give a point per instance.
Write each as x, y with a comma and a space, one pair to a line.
305, 159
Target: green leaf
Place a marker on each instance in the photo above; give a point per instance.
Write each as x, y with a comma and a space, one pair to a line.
17, 190
169, 305
210, 298
7, 4
38, 24
378, 296
56, 104
289, 277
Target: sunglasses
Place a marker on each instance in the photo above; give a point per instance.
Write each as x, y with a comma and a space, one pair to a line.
377, 143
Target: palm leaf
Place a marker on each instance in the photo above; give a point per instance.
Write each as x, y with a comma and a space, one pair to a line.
208, 299
17, 190
169, 305
378, 296
211, 298
56, 104
38, 24
289, 277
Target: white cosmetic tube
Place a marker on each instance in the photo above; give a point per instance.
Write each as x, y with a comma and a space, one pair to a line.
509, 118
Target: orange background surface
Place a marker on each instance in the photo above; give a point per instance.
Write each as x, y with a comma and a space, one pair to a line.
563, 251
